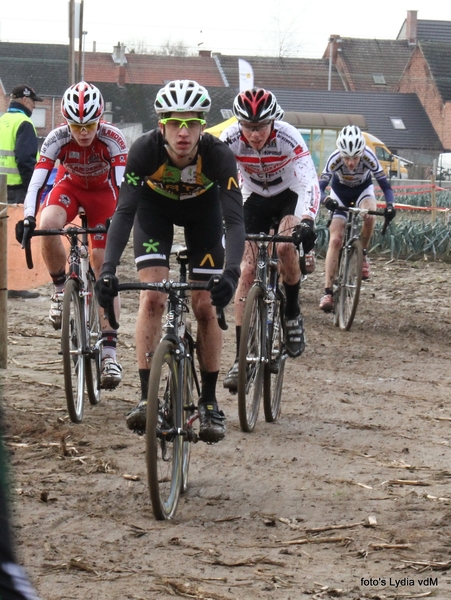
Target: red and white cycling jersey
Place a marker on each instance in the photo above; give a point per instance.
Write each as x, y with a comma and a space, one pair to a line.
283, 163
99, 166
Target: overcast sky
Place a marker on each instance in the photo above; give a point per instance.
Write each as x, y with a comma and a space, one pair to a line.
230, 27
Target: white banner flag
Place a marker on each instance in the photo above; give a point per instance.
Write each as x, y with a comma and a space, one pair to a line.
246, 75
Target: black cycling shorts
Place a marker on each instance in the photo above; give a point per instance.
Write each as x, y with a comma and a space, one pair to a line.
260, 212
201, 218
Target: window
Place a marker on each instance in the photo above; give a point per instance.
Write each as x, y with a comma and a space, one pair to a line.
397, 123
38, 117
379, 79
226, 113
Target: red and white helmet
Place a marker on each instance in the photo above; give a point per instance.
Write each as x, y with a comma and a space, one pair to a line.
82, 103
350, 141
256, 105
182, 95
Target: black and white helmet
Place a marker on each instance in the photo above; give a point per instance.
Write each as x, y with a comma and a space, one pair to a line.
256, 105
82, 103
182, 95
350, 141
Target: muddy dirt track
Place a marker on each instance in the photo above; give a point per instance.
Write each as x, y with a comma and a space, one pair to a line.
347, 495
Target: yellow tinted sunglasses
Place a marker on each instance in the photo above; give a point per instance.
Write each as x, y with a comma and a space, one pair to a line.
175, 123
87, 126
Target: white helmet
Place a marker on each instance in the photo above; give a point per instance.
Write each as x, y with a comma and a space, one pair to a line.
182, 95
82, 103
280, 113
350, 141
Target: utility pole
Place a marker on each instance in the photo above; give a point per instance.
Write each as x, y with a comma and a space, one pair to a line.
80, 43
71, 42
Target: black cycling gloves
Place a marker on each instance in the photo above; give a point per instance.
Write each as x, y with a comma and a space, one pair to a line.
222, 291
106, 289
20, 228
305, 234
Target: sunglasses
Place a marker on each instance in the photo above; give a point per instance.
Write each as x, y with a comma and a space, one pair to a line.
174, 123
87, 126
254, 126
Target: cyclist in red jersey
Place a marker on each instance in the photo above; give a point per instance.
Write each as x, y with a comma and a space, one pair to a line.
92, 156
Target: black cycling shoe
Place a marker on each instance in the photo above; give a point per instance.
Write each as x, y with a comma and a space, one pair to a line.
212, 422
136, 418
294, 336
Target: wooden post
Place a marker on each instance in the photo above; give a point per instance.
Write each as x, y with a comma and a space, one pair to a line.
3, 274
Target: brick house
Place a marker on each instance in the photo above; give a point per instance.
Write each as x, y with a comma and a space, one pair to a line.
428, 74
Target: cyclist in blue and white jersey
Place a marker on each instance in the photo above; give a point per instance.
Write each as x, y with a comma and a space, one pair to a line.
349, 171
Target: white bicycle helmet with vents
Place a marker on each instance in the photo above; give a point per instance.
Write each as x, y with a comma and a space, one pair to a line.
280, 113
350, 141
182, 95
82, 103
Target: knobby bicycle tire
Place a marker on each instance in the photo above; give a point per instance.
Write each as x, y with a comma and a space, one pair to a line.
164, 442
93, 358
72, 349
350, 281
275, 366
251, 359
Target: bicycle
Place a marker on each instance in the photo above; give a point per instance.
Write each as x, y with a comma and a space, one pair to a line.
346, 287
173, 392
262, 354
80, 327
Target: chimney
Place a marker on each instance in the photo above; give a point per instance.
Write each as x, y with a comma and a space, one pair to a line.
411, 27
118, 55
205, 53
334, 41
121, 75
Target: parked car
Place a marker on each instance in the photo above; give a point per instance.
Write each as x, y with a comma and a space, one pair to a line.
393, 165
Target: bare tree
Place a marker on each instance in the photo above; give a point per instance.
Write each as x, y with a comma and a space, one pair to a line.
179, 48
286, 39
168, 48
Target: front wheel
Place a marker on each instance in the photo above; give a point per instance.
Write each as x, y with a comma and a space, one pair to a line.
72, 349
164, 435
349, 282
251, 359
275, 367
94, 332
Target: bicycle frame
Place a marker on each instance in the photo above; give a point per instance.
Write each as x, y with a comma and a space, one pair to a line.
171, 412
346, 289
261, 353
81, 338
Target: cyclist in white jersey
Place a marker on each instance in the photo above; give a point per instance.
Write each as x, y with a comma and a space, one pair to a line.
279, 182
349, 171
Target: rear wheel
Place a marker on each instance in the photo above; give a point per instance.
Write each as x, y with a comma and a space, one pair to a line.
274, 368
164, 440
251, 359
94, 332
350, 282
72, 348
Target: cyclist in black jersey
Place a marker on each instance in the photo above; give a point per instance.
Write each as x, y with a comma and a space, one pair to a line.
178, 175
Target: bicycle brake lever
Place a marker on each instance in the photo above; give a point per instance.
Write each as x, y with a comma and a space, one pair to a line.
110, 310
221, 318
220, 312
26, 244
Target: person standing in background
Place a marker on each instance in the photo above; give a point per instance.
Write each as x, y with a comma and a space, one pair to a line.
18, 142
